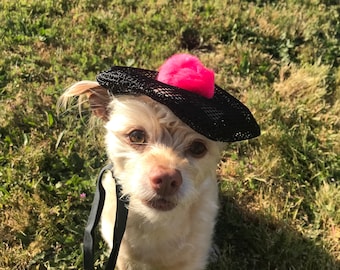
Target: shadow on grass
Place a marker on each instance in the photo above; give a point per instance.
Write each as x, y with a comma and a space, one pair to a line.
249, 241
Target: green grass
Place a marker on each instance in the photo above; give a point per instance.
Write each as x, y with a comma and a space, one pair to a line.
280, 193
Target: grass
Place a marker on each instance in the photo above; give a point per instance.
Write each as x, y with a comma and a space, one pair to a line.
280, 193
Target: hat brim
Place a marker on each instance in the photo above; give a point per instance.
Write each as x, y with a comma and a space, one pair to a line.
221, 118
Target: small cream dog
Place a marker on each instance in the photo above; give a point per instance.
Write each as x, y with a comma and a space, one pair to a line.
169, 172
165, 165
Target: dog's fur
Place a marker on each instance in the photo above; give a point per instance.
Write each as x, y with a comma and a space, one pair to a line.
167, 229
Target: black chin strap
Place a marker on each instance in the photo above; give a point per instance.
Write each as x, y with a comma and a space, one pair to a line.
93, 220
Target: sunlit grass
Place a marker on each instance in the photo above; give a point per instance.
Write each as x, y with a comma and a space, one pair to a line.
279, 193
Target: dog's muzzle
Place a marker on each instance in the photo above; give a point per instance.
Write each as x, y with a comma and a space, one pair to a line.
165, 183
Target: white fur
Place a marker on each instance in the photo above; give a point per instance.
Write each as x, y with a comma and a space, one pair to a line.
178, 239
154, 240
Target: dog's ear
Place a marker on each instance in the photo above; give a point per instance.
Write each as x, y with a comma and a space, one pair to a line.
98, 97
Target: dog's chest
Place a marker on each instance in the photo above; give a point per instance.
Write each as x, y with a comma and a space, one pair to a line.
165, 240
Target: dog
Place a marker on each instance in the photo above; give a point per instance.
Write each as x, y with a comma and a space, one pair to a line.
169, 173
165, 143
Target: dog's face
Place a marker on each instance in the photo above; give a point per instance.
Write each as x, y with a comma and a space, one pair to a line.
160, 162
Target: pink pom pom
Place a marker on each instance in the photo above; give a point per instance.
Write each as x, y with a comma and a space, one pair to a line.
187, 72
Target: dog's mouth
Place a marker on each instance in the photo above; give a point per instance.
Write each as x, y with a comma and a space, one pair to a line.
160, 204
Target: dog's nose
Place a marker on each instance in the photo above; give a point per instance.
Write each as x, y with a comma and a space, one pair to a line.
165, 181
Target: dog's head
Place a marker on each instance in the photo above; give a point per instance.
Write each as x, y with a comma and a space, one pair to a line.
160, 161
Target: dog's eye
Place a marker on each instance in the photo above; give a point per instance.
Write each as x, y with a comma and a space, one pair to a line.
137, 136
197, 149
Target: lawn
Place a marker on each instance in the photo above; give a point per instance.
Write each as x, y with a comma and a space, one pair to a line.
279, 193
